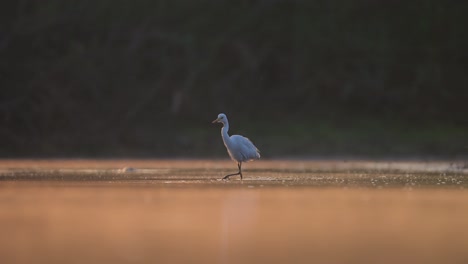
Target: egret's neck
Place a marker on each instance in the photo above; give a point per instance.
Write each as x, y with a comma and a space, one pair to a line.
224, 133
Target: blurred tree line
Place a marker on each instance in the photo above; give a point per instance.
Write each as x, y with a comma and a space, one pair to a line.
119, 76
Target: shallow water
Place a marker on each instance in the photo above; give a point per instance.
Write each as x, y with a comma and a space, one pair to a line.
284, 211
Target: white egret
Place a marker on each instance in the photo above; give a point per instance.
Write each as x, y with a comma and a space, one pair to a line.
240, 148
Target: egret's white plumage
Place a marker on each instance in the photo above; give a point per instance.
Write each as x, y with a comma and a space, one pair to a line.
240, 148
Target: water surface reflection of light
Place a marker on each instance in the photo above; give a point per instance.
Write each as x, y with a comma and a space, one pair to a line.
238, 220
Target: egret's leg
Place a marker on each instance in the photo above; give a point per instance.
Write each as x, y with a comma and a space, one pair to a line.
240, 168
229, 175
238, 173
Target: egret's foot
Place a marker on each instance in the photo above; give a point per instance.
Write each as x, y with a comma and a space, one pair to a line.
229, 175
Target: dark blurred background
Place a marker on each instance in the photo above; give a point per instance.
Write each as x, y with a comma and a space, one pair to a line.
119, 78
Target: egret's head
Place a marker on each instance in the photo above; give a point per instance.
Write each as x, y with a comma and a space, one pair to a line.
221, 119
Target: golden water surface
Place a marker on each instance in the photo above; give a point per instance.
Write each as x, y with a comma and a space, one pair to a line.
284, 211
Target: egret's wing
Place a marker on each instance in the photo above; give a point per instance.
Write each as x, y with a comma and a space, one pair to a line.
246, 147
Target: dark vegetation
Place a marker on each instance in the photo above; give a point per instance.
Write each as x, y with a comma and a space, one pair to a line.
124, 78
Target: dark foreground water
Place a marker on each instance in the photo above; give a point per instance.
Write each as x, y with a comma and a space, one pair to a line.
179, 211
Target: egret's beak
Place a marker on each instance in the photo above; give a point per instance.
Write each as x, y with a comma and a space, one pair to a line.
215, 121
